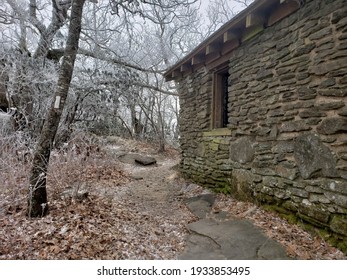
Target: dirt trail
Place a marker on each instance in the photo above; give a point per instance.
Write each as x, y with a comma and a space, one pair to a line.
136, 212
154, 188
159, 192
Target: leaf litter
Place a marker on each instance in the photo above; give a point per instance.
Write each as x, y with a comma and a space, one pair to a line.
124, 218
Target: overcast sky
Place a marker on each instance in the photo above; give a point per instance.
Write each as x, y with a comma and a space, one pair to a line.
235, 4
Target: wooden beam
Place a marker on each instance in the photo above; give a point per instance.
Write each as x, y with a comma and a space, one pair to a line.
212, 48
254, 19
229, 36
185, 67
212, 57
218, 62
251, 32
284, 9
198, 59
176, 73
230, 45
254, 25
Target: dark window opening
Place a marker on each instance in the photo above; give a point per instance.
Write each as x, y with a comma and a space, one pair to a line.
221, 85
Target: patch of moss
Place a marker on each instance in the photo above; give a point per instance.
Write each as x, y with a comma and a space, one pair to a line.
325, 233
241, 190
223, 188
284, 213
333, 239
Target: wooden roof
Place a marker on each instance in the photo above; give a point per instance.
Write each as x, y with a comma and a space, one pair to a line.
252, 20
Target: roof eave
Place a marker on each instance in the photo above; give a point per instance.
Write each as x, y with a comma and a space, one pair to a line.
241, 20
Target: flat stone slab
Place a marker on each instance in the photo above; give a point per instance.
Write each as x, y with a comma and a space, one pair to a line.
136, 177
136, 158
144, 160
200, 205
202, 248
232, 240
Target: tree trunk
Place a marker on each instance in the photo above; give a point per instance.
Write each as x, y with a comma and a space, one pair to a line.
37, 199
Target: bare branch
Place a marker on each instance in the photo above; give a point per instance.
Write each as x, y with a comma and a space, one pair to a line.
116, 61
143, 9
22, 13
155, 89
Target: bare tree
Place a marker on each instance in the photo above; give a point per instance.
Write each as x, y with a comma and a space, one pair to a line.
37, 199
141, 37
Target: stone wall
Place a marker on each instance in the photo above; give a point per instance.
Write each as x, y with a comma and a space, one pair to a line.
286, 142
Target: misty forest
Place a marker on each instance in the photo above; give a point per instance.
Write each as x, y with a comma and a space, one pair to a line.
89, 134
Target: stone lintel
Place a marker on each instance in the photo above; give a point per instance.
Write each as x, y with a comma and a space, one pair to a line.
217, 132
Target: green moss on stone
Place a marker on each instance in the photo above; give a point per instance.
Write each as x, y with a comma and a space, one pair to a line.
339, 224
332, 238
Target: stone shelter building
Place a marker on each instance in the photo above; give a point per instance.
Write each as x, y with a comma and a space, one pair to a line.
263, 110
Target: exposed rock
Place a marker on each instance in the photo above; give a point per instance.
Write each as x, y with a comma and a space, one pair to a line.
338, 199
136, 158
201, 150
326, 106
339, 225
294, 126
311, 113
201, 205
231, 240
136, 177
333, 92
242, 150
332, 126
78, 193
306, 93
343, 112
329, 66
312, 157
144, 160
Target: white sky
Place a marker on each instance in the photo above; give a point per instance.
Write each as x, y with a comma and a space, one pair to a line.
236, 5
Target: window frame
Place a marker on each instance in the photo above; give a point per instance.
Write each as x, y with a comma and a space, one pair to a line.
220, 97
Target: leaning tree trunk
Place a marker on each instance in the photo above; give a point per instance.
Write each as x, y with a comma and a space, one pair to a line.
37, 199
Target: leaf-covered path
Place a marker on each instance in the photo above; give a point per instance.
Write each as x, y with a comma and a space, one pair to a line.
131, 211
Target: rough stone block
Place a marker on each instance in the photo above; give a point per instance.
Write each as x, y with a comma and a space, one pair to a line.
333, 105
326, 67
338, 199
311, 113
313, 189
338, 92
343, 112
338, 15
283, 147
242, 150
304, 49
286, 171
332, 126
201, 150
214, 146
144, 160
264, 74
319, 214
318, 198
328, 83
313, 158
338, 224
305, 93
322, 33
294, 126
298, 192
